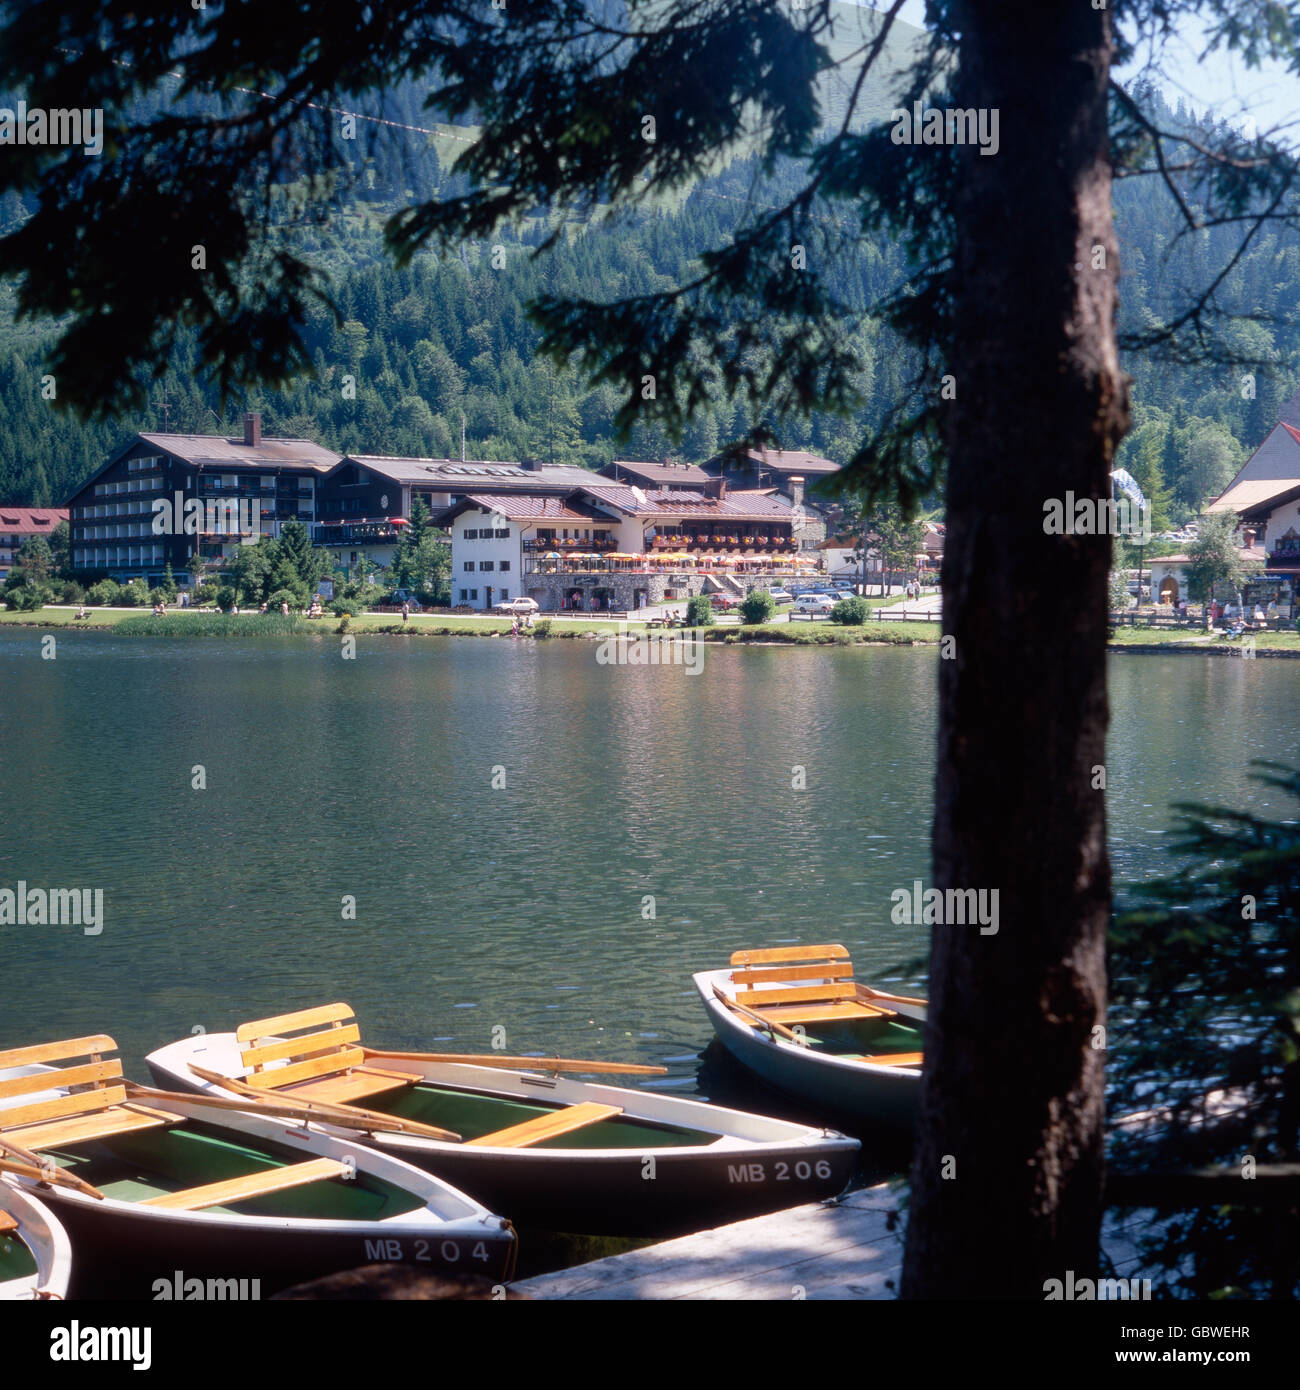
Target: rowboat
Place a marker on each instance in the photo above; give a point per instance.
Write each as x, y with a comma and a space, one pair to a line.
521, 1134
797, 1019
188, 1189
35, 1254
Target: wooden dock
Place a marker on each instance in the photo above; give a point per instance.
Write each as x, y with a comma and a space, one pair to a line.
823, 1250
851, 1249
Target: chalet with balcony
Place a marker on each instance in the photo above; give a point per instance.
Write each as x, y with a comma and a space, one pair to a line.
791, 474
615, 546
1265, 498
19, 524
364, 501
162, 497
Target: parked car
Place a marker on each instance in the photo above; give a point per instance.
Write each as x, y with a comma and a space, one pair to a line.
814, 604
519, 605
781, 596
724, 601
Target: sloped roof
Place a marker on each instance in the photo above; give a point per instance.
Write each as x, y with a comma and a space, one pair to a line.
516, 506
30, 521
1273, 469
659, 474
205, 450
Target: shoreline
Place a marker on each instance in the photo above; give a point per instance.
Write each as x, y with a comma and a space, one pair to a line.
898, 633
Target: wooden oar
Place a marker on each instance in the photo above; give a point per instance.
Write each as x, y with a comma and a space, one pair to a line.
30, 1165
341, 1116
767, 1023
268, 1104
893, 998
519, 1063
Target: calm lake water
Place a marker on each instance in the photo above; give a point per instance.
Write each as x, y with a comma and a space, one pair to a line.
521, 907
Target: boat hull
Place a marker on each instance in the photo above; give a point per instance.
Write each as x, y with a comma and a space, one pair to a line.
46, 1240
126, 1248
748, 1165
827, 1084
124, 1253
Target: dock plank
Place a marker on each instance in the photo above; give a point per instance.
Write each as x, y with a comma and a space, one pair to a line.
850, 1249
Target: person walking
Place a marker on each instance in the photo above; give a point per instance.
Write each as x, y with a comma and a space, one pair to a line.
406, 612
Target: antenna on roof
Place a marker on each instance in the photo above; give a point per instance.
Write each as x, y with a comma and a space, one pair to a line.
462, 436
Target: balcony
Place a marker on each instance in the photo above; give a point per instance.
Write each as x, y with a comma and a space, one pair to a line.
355, 533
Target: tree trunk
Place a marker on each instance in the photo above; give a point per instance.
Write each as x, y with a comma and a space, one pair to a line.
1007, 1176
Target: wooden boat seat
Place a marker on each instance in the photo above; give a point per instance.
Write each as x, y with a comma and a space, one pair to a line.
91, 1106
232, 1190
327, 1065
891, 1059
352, 1085
829, 996
7, 1223
83, 1129
548, 1126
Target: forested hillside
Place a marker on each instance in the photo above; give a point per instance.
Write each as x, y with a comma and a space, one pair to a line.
416, 350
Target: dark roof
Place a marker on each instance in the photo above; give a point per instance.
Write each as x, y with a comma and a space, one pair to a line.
659, 474
792, 462
212, 450
452, 475
223, 451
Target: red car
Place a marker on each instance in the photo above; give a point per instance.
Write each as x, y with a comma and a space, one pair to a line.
724, 601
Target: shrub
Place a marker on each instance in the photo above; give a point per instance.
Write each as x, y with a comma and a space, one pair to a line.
135, 594
542, 628
69, 591
757, 606
280, 596
851, 612
699, 611
226, 598
26, 598
105, 594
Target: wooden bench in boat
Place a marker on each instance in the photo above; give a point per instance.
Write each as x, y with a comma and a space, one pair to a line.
7, 1223
548, 1126
232, 1190
833, 998
93, 1105
889, 1059
327, 1065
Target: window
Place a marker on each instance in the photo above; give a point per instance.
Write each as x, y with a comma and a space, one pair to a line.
469, 566
473, 594
502, 535
505, 565
464, 594
505, 594
486, 565
471, 535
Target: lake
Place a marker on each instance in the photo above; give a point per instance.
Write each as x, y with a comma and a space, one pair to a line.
540, 849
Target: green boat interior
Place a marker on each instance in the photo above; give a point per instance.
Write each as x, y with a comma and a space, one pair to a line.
332, 1067
810, 991
473, 1114
16, 1260
152, 1164
80, 1118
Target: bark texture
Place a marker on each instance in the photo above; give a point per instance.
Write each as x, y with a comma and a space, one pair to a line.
1007, 1176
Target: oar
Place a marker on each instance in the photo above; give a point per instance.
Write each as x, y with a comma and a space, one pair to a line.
341, 1116
265, 1105
30, 1165
759, 1019
893, 998
520, 1063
